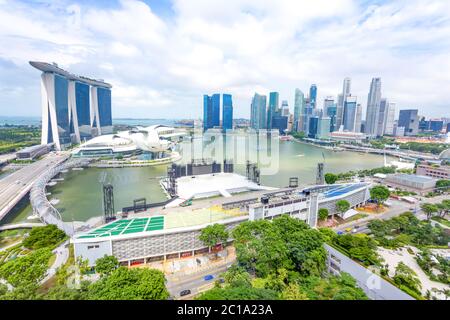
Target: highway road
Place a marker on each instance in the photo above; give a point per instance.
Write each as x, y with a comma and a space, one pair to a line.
16, 185
194, 282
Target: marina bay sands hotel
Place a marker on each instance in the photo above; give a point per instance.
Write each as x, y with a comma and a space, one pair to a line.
74, 108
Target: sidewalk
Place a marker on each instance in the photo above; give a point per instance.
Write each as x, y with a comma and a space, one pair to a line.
189, 265
62, 255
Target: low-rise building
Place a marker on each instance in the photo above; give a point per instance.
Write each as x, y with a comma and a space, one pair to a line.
411, 182
33, 152
434, 171
346, 136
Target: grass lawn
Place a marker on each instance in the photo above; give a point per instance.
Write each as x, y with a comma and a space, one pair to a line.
52, 260
356, 217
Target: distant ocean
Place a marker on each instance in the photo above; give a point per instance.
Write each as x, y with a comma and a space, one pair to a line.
36, 121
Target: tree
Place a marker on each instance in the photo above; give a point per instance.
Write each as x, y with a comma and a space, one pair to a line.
106, 264
443, 185
293, 292
330, 178
130, 284
28, 269
41, 237
213, 235
323, 213
444, 208
429, 209
342, 206
405, 276
380, 194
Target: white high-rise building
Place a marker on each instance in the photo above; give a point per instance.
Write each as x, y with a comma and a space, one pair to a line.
299, 110
358, 119
346, 91
373, 107
382, 116
390, 119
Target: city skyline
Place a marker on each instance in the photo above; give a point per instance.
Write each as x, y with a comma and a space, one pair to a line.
238, 50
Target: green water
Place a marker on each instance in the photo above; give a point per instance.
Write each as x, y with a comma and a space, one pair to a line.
81, 193
81, 196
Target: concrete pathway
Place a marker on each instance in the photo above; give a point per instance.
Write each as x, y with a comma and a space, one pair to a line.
394, 257
62, 255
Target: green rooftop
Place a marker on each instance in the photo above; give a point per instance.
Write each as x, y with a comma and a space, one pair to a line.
126, 226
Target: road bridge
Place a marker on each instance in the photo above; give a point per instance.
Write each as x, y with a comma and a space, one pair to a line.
16, 185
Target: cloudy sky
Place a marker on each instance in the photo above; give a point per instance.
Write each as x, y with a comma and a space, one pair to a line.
162, 56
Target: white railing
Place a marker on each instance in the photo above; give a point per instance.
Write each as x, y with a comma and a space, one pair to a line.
39, 202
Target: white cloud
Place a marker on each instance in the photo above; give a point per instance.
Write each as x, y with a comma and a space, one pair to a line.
161, 67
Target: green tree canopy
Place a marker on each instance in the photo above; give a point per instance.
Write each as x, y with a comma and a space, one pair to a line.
429, 209
41, 237
405, 276
323, 213
342, 206
130, 284
106, 264
380, 194
213, 235
330, 178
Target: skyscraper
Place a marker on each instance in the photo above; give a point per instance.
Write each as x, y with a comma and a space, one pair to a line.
273, 107
358, 120
215, 101
328, 102
299, 109
285, 108
382, 117
346, 90
313, 96
349, 116
373, 107
258, 118
313, 127
390, 119
207, 113
409, 119
323, 131
227, 112
73, 107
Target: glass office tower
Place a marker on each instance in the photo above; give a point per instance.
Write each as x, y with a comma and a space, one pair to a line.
215, 100
258, 119
313, 96
207, 113
227, 112
274, 98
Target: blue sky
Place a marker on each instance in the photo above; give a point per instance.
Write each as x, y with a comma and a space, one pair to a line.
162, 56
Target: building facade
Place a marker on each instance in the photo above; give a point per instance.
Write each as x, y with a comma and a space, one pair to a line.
313, 96
227, 112
74, 108
258, 118
299, 109
349, 116
409, 119
373, 107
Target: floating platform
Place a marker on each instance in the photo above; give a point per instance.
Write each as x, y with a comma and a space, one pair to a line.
210, 185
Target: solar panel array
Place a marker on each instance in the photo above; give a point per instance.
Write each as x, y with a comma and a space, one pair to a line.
341, 189
127, 226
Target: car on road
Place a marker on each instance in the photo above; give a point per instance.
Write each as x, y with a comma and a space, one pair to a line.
185, 292
208, 277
